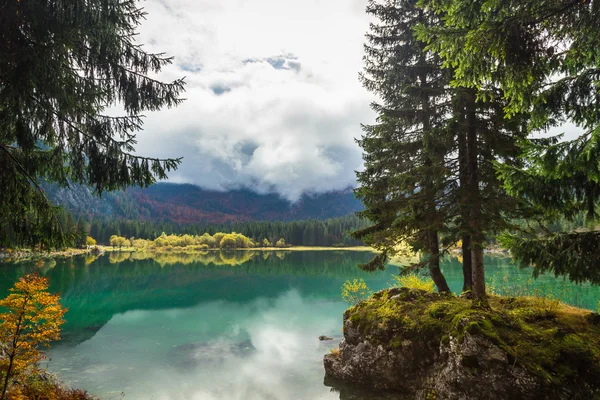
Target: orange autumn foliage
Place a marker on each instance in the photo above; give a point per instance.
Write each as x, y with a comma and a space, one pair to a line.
49, 389
31, 320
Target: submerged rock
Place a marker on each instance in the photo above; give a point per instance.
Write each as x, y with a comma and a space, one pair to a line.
323, 337
428, 346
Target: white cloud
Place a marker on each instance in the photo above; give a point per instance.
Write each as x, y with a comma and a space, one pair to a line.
273, 98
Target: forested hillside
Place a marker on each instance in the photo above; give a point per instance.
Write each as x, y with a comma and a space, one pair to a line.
184, 204
329, 232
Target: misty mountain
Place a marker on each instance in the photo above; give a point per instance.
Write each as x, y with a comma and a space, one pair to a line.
184, 203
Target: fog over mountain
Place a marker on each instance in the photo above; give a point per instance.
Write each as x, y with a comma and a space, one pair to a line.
185, 203
275, 109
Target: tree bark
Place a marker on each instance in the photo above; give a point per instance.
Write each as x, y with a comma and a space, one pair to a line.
467, 264
430, 217
434, 263
478, 273
463, 178
477, 236
13, 352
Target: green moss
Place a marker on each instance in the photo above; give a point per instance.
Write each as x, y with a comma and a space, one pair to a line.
552, 340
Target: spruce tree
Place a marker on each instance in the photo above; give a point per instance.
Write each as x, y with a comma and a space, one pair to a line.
429, 160
406, 176
543, 55
62, 65
483, 202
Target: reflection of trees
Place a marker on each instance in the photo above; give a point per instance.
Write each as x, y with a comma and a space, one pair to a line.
130, 265
231, 258
90, 258
95, 292
118, 257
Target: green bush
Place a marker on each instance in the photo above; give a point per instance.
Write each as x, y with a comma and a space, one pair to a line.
414, 281
353, 292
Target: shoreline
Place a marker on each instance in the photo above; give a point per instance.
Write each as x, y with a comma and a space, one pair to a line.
22, 255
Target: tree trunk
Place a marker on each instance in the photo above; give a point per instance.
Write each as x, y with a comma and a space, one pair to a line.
7, 377
477, 236
13, 352
463, 178
467, 264
478, 273
429, 189
434, 263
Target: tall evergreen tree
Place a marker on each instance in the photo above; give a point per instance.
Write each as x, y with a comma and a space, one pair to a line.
484, 206
61, 65
406, 176
544, 56
429, 161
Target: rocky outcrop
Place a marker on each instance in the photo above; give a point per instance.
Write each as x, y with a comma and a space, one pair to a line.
426, 346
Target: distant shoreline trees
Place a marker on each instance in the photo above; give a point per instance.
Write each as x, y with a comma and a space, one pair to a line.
329, 232
220, 240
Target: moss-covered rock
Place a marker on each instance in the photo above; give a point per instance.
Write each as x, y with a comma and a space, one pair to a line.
425, 344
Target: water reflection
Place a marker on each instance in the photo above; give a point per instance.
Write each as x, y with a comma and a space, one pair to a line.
263, 349
95, 290
230, 258
237, 325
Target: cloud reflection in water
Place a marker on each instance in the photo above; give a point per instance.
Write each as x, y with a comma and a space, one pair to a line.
260, 350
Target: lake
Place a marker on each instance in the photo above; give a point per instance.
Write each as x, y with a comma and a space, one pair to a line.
239, 325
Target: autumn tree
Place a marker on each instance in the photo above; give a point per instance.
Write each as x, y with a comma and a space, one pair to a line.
90, 241
62, 66
218, 237
228, 242
31, 320
119, 241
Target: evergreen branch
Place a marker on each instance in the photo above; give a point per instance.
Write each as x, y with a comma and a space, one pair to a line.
29, 178
120, 144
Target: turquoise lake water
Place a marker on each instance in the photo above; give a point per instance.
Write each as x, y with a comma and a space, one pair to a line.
230, 326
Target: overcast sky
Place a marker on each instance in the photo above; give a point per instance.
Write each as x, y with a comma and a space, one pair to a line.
273, 98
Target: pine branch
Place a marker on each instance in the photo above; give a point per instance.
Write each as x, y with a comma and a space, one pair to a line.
29, 178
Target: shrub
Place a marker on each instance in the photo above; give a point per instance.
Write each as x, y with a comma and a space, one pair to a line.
46, 387
353, 292
208, 240
218, 237
414, 281
228, 242
140, 243
119, 241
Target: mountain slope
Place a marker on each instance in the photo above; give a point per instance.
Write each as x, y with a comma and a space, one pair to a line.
183, 203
